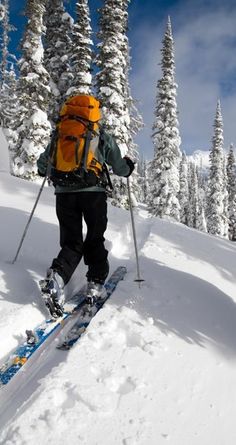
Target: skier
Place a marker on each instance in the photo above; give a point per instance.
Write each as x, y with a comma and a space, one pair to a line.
80, 196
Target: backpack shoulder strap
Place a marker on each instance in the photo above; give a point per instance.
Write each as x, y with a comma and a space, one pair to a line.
104, 166
53, 145
88, 138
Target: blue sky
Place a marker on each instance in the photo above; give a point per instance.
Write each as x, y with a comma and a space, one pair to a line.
205, 42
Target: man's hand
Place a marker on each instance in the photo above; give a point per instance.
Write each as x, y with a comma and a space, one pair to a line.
130, 164
41, 174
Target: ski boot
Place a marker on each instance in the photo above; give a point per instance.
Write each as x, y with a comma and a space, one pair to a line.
95, 291
52, 293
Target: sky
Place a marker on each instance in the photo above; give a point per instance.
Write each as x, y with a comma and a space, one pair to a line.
205, 40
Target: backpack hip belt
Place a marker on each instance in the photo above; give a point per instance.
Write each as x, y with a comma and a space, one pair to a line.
78, 178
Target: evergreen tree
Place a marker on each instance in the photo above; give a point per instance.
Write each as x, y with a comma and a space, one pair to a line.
231, 187
136, 123
193, 196
164, 187
142, 170
120, 116
226, 197
2, 11
9, 102
8, 83
196, 200
217, 223
11, 114
112, 62
7, 73
81, 56
5, 29
34, 94
146, 181
183, 190
9, 99
58, 51
201, 217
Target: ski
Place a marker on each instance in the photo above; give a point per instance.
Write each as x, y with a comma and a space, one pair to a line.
41, 335
87, 311
38, 340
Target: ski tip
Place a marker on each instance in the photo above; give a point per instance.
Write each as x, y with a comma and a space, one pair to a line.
121, 270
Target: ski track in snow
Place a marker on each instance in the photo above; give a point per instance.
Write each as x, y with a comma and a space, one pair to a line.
97, 392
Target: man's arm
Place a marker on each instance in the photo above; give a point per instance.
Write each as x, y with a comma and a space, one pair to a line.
112, 155
42, 162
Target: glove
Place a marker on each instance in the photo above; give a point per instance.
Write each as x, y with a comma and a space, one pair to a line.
41, 174
130, 164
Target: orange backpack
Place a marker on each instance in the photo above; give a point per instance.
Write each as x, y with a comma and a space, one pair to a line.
75, 143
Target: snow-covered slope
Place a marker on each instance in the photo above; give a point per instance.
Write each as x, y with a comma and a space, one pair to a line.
156, 365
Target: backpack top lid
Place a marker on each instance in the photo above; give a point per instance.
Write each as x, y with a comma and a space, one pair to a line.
85, 106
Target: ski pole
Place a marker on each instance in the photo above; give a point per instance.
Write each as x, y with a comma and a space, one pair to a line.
138, 279
28, 223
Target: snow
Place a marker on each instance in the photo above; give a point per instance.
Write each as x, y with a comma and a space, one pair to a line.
157, 363
2, 12
200, 158
37, 55
39, 117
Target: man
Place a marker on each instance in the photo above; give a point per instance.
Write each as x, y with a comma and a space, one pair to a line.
84, 196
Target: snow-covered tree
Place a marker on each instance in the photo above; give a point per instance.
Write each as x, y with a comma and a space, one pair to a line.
58, 51
193, 207
112, 62
11, 111
7, 73
142, 170
9, 102
81, 54
34, 94
183, 189
9, 99
226, 197
201, 219
145, 181
5, 28
231, 187
196, 207
2, 11
164, 187
120, 117
119, 194
217, 223
201, 223
136, 123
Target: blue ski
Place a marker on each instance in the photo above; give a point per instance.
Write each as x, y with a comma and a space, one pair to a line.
87, 311
45, 332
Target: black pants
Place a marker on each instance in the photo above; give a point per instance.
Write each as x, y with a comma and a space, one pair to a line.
71, 208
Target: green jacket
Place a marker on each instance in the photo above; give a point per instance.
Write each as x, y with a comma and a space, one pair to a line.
108, 152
